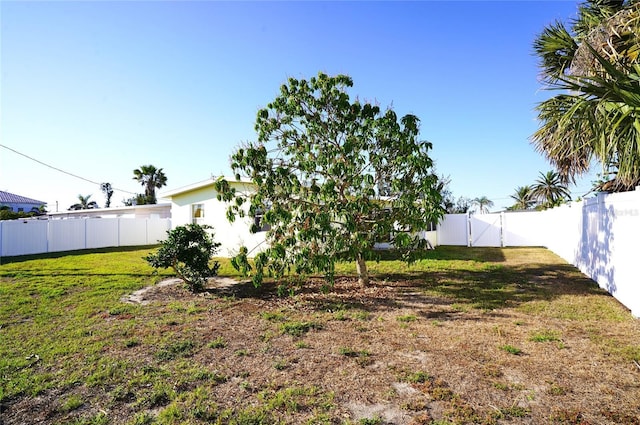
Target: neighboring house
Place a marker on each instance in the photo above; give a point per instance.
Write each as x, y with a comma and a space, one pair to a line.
198, 203
19, 203
136, 211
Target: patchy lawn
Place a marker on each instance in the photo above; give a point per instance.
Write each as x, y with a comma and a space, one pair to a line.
465, 335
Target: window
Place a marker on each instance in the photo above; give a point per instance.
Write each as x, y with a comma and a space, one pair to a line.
258, 224
432, 227
197, 213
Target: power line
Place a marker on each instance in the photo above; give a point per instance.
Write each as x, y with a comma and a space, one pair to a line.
60, 170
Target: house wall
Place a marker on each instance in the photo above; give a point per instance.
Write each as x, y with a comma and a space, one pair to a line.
24, 207
231, 235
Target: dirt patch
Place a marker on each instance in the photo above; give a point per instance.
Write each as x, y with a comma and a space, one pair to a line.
164, 288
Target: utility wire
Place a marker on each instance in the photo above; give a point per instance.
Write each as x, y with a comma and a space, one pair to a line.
60, 170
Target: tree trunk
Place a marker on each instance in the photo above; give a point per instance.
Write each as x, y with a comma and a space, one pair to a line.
363, 274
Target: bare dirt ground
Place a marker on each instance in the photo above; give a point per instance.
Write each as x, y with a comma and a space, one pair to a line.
394, 353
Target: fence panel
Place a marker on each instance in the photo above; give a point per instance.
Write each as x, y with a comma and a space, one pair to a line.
157, 230
103, 232
622, 217
486, 230
453, 230
563, 230
526, 228
133, 232
67, 235
23, 237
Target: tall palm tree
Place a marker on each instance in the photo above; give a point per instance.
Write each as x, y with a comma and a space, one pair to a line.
151, 178
107, 189
596, 116
524, 198
549, 190
482, 204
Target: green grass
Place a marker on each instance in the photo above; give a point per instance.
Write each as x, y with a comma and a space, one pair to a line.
545, 336
297, 328
63, 327
511, 349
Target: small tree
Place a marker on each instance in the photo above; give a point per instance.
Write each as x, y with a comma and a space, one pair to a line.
334, 177
188, 251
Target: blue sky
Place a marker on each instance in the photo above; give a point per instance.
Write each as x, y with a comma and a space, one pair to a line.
99, 88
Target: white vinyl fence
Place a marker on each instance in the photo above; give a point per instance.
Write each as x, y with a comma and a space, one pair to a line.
23, 237
600, 236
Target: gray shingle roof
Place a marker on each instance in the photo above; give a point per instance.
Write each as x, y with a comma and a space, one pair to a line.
10, 198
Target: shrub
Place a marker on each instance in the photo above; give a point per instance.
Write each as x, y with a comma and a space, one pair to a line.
188, 250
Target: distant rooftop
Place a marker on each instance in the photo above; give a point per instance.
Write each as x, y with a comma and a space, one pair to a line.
10, 198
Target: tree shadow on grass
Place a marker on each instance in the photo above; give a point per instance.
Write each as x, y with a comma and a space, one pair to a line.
448, 252
60, 254
442, 294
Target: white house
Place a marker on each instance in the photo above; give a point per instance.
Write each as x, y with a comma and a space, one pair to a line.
198, 203
19, 203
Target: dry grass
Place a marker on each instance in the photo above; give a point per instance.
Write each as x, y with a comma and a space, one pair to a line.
421, 345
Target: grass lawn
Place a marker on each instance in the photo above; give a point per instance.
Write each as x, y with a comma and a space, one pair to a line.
465, 335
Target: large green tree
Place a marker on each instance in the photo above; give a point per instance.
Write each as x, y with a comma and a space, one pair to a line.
333, 176
595, 65
151, 178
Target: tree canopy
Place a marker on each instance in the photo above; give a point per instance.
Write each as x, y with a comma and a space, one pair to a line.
334, 176
595, 64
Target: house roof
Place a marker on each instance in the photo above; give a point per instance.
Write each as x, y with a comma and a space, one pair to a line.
199, 185
11, 198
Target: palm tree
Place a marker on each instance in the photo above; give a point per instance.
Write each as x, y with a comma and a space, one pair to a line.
108, 192
151, 178
549, 190
482, 204
596, 66
84, 204
524, 198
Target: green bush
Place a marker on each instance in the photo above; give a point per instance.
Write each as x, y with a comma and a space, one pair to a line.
188, 250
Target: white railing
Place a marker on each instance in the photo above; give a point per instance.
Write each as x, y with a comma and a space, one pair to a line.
23, 237
599, 236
